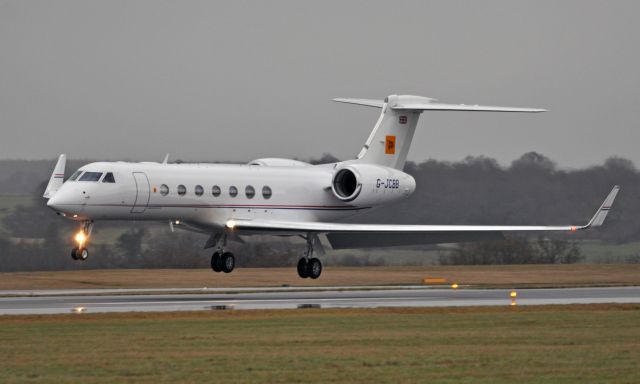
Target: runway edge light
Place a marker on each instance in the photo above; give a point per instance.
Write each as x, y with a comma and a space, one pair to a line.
513, 295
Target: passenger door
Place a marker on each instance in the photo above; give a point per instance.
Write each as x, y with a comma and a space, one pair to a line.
143, 192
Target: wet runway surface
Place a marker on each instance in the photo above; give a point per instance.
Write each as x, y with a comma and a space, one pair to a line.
124, 301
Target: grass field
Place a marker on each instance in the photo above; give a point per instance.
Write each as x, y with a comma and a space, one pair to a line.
568, 344
489, 276
599, 252
9, 202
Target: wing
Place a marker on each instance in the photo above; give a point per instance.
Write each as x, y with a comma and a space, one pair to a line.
357, 235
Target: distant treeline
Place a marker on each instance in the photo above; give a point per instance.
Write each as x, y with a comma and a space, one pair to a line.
478, 190
532, 190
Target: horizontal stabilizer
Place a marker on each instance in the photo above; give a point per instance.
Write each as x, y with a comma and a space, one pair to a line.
365, 102
419, 103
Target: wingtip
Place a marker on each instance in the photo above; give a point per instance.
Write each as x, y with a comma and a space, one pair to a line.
601, 214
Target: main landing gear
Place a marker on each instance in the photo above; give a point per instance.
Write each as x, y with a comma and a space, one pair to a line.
222, 261
309, 266
82, 237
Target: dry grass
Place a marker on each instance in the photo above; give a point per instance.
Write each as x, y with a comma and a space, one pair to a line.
511, 275
569, 344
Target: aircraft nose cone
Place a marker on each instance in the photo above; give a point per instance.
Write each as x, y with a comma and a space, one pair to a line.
61, 201
54, 202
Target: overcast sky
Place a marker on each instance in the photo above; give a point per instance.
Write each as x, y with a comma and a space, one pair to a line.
237, 80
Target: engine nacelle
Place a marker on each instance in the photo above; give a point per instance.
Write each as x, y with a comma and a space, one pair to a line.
368, 184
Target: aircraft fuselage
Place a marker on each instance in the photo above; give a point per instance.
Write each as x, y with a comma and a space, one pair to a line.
208, 195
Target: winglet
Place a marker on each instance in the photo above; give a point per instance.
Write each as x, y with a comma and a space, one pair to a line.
57, 177
601, 213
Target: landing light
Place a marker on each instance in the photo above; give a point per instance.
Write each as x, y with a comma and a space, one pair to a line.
231, 224
80, 238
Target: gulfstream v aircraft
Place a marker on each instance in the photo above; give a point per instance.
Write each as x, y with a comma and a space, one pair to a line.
277, 196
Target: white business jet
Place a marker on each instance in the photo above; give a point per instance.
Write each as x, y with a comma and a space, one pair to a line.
276, 196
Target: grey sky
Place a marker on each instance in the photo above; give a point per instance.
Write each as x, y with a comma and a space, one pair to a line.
238, 80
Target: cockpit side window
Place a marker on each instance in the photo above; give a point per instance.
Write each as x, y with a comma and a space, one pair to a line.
91, 176
75, 175
108, 178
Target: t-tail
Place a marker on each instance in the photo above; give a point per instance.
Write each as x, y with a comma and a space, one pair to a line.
389, 142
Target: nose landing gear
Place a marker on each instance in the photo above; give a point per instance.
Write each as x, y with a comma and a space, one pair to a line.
82, 237
78, 253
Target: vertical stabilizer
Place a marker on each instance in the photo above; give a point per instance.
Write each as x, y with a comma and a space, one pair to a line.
389, 142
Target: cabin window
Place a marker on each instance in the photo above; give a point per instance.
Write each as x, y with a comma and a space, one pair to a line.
91, 176
164, 189
233, 191
182, 190
215, 191
75, 175
108, 178
199, 190
266, 192
249, 191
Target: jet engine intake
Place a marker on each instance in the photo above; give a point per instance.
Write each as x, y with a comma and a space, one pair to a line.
369, 184
346, 185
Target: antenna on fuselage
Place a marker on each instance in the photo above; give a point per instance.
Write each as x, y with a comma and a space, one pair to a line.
166, 159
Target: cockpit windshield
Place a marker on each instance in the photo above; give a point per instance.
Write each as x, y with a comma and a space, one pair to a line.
75, 175
108, 178
91, 176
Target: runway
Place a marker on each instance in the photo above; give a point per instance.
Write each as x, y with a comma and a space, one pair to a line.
284, 298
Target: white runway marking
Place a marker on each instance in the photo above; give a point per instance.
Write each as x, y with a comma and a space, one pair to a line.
294, 298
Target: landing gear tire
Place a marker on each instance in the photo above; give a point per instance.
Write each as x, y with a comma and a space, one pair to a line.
302, 268
80, 254
228, 262
216, 262
314, 268
308, 266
